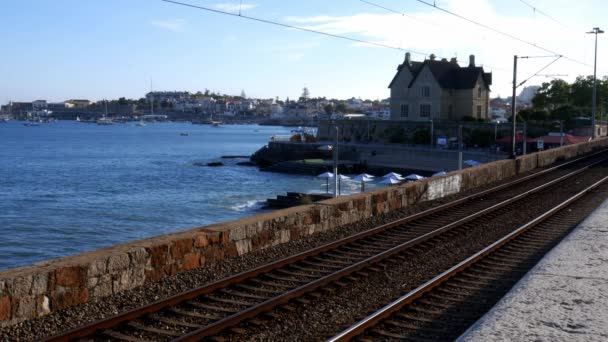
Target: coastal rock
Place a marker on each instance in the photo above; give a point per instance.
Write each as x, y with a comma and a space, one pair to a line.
213, 164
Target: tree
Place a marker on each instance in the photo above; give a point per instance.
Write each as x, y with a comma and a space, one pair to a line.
329, 109
305, 94
123, 101
552, 95
340, 107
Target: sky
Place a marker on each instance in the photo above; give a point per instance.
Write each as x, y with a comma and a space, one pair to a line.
96, 49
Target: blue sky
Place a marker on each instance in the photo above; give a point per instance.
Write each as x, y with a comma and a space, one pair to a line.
63, 49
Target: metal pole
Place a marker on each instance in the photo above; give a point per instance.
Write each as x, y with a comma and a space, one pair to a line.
561, 133
513, 111
495, 132
432, 133
460, 147
525, 141
593, 104
335, 150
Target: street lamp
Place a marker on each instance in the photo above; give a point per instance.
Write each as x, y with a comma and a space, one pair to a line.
432, 133
596, 31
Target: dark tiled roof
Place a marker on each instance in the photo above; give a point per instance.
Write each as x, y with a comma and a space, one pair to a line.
414, 68
449, 75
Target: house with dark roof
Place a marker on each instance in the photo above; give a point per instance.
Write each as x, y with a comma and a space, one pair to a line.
439, 90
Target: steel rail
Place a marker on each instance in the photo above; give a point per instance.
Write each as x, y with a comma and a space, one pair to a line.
156, 306
372, 320
255, 310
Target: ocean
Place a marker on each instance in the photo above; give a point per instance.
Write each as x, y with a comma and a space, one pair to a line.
69, 187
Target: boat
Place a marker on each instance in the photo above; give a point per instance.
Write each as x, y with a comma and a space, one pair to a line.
104, 121
77, 118
184, 134
141, 123
216, 123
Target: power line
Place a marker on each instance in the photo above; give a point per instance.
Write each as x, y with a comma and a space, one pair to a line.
536, 10
270, 22
539, 71
499, 32
397, 12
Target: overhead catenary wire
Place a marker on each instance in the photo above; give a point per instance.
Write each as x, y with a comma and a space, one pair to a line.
539, 71
537, 10
397, 12
487, 27
275, 23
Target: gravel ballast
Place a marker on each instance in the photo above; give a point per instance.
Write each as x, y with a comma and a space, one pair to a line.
64, 320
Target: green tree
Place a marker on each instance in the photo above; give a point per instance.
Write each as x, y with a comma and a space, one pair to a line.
552, 95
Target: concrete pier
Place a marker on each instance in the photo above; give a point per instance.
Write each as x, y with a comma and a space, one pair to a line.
563, 298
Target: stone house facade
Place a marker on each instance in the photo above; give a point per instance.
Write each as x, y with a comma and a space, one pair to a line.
439, 90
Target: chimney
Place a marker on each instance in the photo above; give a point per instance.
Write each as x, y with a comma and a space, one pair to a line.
453, 60
471, 61
407, 58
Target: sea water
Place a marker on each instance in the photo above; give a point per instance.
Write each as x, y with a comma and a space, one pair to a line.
69, 187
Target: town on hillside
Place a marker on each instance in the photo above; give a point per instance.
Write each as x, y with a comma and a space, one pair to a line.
429, 100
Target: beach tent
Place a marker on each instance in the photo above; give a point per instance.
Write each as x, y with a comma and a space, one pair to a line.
327, 176
390, 181
471, 162
363, 178
414, 177
392, 174
442, 173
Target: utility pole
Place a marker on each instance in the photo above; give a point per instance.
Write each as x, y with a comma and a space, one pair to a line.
513, 111
432, 134
460, 147
596, 31
561, 133
335, 150
525, 140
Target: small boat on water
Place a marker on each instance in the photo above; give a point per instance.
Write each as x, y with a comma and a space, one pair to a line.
104, 121
216, 123
184, 134
141, 123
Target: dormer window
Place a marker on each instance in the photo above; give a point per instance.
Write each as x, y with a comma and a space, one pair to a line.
426, 91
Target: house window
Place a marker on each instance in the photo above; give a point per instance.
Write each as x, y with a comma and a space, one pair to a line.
479, 112
479, 92
426, 91
405, 110
425, 110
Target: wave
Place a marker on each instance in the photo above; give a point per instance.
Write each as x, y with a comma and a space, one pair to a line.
251, 205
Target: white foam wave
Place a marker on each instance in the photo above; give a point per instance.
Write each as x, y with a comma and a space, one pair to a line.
248, 206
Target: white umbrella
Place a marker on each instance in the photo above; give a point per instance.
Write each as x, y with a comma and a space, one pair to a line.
367, 175
414, 177
327, 176
390, 181
442, 173
472, 162
363, 178
340, 179
392, 174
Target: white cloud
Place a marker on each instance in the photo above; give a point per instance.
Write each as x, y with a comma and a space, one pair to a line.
173, 25
431, 31
234, 7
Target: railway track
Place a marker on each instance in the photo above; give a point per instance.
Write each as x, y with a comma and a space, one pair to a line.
224, 304
444, 307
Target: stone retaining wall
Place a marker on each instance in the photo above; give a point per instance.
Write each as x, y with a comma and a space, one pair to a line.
52, 285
